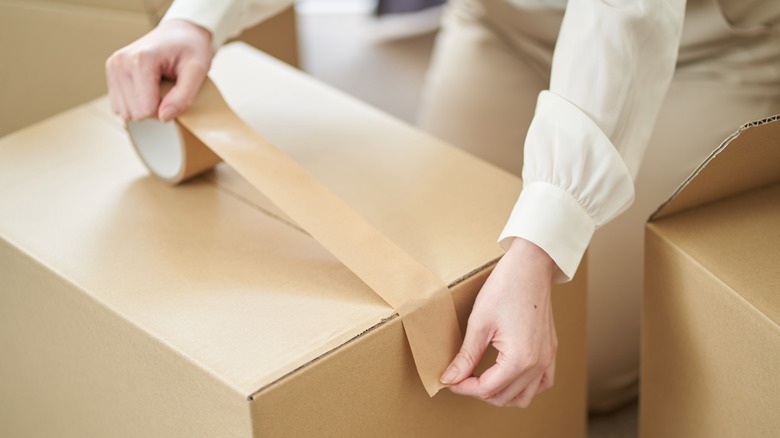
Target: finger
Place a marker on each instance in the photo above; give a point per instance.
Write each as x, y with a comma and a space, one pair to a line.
114, 93
523, 400
124, 83
494, 380
144, 93
548, 379
188, 81
474, 345
506, 395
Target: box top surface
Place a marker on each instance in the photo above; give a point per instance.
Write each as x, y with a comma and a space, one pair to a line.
726, 216
208, 268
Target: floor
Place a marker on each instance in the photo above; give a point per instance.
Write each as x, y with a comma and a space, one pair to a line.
383, 62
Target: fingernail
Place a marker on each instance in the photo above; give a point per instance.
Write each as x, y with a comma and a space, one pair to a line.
166, 114
450, 374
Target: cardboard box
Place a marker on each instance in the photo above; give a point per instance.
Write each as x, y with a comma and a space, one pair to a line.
710, 327
132, 308
53, 52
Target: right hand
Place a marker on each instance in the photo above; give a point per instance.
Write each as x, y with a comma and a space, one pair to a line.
175, 49
513, 312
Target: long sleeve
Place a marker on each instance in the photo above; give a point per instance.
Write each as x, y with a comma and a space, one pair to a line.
225, 18
612, 66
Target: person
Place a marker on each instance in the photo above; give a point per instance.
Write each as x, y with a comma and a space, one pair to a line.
582, 83
493, 57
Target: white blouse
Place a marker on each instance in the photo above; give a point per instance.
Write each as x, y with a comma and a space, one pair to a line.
612, 66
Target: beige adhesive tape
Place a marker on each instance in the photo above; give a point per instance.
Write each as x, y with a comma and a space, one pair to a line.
210, 131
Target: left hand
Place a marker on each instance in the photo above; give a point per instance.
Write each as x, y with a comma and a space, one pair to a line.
513, 312
175, 49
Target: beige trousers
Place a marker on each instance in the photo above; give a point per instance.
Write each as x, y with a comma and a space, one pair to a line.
492, 59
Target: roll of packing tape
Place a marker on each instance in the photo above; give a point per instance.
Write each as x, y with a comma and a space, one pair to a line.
170, 151
210, 132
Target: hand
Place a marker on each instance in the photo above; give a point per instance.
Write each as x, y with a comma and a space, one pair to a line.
513, 311
175, 49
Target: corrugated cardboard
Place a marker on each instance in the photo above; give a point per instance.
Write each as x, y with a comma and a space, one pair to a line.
711, 318
132, 308
53, 52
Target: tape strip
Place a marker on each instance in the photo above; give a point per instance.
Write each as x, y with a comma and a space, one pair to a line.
210, 130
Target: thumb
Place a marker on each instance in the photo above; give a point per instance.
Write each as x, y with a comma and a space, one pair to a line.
183, 93
474, 345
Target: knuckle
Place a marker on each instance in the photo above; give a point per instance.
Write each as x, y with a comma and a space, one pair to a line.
517, 368
138, 113
147, 112
476, 321
114, 63
139, 57
529, 362
485, 394
497, 403
118, 57
185, 101
516, 403
200, 68
465, 356
546, 360
135, 59
118, 62
110, 61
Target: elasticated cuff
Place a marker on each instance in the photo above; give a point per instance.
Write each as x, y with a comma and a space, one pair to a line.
553, 220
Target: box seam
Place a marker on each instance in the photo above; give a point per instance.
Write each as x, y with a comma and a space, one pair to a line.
378, 325
209, 178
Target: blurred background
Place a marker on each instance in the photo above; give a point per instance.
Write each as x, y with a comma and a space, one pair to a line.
379, 59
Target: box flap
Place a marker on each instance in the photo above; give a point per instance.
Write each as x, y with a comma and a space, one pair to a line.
747, 159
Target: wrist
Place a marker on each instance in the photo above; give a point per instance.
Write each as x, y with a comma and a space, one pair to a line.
192, 30
528, 253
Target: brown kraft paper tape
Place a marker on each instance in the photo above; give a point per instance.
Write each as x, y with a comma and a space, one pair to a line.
210, 132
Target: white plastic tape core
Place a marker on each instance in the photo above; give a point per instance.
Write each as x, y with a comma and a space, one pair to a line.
159, 145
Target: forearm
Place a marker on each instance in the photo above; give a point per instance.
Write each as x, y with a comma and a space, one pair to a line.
612, 66
225, 18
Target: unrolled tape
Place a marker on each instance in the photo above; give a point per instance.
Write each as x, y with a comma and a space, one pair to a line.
210, 132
